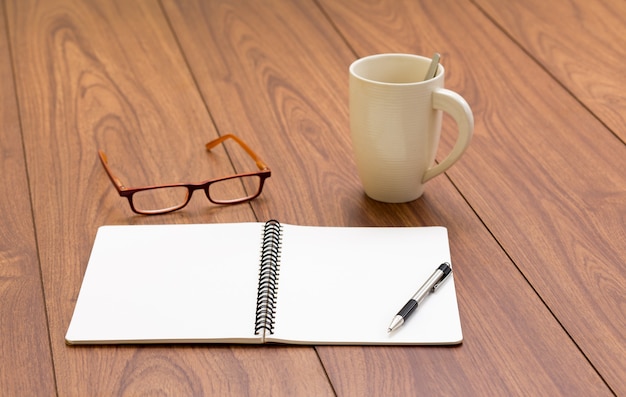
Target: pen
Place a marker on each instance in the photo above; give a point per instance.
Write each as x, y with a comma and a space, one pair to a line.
431, 285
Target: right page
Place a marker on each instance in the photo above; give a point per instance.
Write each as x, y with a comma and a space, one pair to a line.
343, 285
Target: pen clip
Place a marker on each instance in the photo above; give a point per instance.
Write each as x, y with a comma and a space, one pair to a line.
446, 268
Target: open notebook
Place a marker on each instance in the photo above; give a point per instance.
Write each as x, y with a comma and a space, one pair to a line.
263, 282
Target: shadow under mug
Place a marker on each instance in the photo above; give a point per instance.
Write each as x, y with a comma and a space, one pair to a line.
395, 124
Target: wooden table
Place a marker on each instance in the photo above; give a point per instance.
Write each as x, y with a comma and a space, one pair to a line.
536, 209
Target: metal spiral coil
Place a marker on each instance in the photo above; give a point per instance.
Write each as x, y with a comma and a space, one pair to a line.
268, 278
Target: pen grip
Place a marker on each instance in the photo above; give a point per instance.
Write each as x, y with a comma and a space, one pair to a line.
407, 308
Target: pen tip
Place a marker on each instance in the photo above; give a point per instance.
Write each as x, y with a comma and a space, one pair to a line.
389, 330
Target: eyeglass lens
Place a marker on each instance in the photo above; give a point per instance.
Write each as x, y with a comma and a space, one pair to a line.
160, 199
235, 189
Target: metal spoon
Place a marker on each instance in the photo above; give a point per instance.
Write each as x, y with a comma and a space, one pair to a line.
432, 69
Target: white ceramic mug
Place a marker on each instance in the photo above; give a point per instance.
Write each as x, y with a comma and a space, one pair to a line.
395, 123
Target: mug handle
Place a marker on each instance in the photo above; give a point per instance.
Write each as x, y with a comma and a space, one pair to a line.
453, 104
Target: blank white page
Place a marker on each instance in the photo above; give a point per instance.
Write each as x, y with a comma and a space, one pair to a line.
170, 283
344, 285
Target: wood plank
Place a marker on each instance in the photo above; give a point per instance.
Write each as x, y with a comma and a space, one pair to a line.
582, 43
255, 82
542, 173
512, 345
26, 360
277, 74
109, 74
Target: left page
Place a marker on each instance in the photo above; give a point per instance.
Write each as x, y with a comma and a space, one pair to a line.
170, 284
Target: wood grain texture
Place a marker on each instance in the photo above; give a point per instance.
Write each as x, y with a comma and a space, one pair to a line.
535, 210
543, 174
262, 75
582, 43
110, 75
25, 357
512, 345
262, 79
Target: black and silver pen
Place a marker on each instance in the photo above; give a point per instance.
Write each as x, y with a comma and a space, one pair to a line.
431, 285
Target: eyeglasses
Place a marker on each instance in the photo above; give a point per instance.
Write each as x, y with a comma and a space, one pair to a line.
161, 199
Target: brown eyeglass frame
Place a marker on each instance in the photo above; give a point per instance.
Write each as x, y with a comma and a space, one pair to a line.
128, 192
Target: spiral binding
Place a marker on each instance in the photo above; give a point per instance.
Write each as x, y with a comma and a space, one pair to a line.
268, 278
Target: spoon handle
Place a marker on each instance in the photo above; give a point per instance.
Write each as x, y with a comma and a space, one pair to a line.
432, 69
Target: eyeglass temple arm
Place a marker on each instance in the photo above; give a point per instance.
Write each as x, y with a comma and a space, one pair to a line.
115, 180
259, 163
